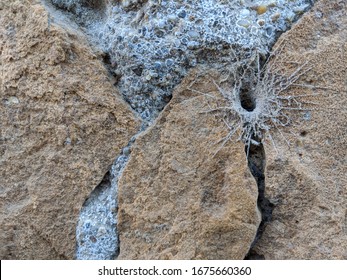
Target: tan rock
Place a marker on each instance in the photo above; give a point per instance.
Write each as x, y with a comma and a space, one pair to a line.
307, 182
62, 125
176, 199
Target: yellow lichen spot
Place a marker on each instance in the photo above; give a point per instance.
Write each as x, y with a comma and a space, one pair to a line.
261, 9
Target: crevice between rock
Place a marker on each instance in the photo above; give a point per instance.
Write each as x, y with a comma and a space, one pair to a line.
256, 159
97, 234
256, 164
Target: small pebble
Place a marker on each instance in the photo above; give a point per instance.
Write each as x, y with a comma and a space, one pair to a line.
244, 13
192, 45
172, 18
261, 22
243, 22
12, 100
182, 14
275, 17
126, 151
67, 141
101, 231
193, 34
290, 16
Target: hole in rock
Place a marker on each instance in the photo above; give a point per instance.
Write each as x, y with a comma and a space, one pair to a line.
247, 100
95, 4
303, 133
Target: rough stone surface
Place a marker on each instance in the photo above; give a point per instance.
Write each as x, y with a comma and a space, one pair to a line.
307, 182
176, 199
62, 126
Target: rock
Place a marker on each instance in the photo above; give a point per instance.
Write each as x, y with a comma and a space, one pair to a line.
307, 182
177, 200
62, 126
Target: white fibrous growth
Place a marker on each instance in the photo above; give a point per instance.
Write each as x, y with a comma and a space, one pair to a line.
257, 99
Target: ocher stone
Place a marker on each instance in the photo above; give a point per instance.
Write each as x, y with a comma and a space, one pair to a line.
307, 182
62, 125
177, 198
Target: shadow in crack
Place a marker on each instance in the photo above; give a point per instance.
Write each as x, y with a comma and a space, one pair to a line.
256, 164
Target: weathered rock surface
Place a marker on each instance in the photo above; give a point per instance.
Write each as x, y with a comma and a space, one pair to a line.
62, 125
307, 182
176, 199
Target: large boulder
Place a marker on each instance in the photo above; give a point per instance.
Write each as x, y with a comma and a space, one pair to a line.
62, 125
183, 195
306, 177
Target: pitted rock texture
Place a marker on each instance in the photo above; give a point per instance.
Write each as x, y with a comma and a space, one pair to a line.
177, 200
307, 182
62, 126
